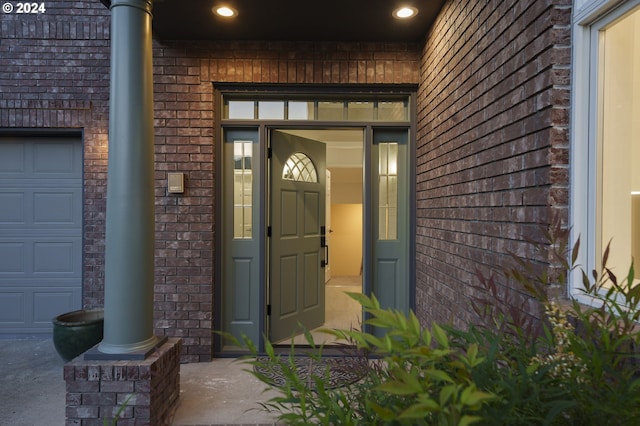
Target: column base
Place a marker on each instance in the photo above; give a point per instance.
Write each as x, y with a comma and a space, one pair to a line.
140, 392
95, 354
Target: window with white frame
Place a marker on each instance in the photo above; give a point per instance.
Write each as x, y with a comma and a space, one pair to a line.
606, 135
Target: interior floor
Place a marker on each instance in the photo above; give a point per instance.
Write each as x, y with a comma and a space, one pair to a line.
341, 311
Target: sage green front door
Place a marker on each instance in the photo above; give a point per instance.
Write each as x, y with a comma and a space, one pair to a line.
297, 253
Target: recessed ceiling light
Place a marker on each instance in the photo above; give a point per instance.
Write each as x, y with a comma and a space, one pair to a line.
225, 11
405, 12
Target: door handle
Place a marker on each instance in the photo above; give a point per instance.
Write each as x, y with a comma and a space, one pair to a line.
323, 244
326, 256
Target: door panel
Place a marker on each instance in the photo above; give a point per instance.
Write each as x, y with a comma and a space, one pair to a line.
311, 213
298, 207
288, 214
242, 269
312, 281
387, 273
288, 299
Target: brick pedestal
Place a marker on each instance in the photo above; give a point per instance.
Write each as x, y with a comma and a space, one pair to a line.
145, 392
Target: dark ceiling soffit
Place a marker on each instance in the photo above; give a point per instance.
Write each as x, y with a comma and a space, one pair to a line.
294, 20
312, 21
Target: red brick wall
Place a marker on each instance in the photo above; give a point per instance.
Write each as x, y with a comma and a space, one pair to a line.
185, 142
492, 136
492, 155
54, 74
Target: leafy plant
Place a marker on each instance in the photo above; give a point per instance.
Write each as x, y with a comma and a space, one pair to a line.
531, 359
584, 359
413, 376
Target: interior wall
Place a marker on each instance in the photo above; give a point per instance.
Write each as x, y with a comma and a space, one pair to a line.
346, 185
345, 253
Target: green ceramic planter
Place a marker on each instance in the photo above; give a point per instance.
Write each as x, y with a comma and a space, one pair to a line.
76, 332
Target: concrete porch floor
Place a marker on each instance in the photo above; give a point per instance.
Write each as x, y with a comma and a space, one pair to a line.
32, 389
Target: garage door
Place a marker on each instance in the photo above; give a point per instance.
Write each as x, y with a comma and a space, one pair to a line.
40, 231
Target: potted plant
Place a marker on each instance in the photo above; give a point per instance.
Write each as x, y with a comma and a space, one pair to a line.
77, 331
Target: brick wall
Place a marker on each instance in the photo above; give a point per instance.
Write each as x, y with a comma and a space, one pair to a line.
54, 74
492, 136
185, 73
492, 153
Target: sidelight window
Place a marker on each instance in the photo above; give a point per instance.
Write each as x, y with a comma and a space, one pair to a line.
388, 191
242, 189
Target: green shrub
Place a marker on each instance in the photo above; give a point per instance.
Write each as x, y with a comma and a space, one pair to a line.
582, 366
575, 365
413, 376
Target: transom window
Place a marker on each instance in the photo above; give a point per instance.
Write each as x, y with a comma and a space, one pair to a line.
392, 110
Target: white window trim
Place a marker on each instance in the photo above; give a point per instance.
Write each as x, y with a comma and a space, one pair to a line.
589, 16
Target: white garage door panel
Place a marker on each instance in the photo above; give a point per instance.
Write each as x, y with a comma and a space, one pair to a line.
40, 231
